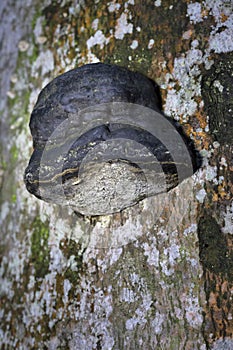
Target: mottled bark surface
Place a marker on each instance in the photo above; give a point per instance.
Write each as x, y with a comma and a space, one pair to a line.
214, 225
159, 274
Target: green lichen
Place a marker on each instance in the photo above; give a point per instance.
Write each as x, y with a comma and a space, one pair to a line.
14, 153
54, 16
35, 53
19, 109
117, 51
39, 247
138, 59
3, 165
14, 198
35, 47
37, 14
12, 185
71, 251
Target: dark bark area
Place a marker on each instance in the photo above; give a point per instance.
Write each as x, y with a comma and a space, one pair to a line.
216, 245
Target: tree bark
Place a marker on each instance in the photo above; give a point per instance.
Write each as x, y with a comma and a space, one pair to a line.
157, 275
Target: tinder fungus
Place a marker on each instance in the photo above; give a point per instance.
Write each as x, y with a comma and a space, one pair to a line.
101, 143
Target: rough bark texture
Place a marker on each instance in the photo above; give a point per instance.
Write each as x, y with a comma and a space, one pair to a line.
157, 275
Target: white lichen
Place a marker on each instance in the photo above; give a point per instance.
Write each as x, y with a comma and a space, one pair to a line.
223, 344
97, 39
223, 162
190, 230
128, 295
134, 44
152, 253
123, 27
222, 42
211, 173
113, 6
95, 24
67, 288
157, 3
186, 68
216, 144
187, 73
158, 322
194, 12
5, 209
200, 195
43, 64
221, 34
140, 313
169, 260
151, 44
38, 31
193, 312
101, 237
228, 220
218, 85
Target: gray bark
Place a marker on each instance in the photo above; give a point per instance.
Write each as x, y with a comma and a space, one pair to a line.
139, 278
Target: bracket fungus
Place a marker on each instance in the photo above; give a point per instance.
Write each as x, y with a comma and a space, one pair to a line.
101, 143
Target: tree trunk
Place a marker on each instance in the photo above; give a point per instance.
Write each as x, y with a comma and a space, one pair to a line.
157, 275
